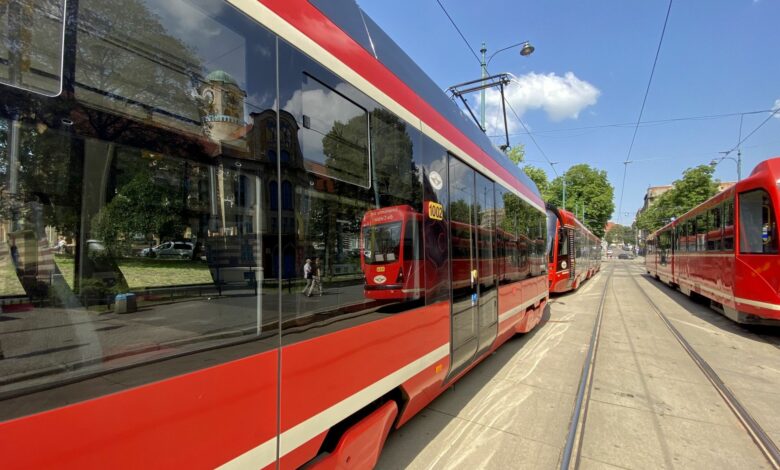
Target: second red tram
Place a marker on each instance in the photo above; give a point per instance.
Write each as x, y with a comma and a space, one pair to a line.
575, 252
726, 249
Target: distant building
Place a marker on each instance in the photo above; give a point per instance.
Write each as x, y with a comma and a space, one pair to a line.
653, 193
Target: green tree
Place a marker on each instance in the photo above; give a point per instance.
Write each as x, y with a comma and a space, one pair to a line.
620, 234
539, 177
142, 206
695, 187
588, 190
516, 154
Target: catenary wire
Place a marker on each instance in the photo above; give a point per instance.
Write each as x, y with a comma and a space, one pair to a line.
641, 110
459, 32
643, 123
536, 144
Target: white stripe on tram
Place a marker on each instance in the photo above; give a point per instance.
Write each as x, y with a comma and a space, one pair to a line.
756, 303
729, 295
523, 306
268, 18
301, 433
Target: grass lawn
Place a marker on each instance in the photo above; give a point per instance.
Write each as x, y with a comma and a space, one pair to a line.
142, 272
152, 272
9, 282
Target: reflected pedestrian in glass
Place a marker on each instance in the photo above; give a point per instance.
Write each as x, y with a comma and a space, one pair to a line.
308, 274
317, 278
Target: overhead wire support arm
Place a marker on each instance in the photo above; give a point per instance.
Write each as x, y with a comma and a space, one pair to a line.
500, 80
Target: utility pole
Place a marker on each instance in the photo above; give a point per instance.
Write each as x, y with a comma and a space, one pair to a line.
483, 64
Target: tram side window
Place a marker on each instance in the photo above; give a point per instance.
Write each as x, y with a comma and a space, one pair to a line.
728, 225
31, 49
334, 137
679, 241
714, 234
757, 223
702, 227
538, 234
664, 245
349, 159
522, 223
435, 184
137, 234
690, 235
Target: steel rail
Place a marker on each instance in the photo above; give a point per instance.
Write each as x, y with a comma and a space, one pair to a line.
756, 432
580, 413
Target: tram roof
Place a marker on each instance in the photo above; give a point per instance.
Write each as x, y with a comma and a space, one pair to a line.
768, 170
348, 16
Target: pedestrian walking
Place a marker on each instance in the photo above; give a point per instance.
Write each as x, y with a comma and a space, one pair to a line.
316, 278
308, 274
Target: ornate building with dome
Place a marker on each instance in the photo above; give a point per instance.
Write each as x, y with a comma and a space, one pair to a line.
224, 100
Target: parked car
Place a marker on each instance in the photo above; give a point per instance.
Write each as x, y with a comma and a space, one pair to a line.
182, 250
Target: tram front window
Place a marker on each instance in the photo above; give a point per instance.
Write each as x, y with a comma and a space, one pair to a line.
552, 221
382, 243
758, 225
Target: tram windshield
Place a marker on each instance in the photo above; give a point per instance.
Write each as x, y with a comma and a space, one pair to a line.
552, 220
382, 243
758, 225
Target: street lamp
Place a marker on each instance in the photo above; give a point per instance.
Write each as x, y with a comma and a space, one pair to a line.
526, 50
737, 160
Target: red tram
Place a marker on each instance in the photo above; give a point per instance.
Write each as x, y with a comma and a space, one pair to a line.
273, 136
575, 253
726, 249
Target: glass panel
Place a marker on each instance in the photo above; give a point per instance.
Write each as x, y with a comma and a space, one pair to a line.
486, 270
728, 225
133, 229
334, 138
382, 243
552, 220
351, 228
31, 44
436, 229
757, 223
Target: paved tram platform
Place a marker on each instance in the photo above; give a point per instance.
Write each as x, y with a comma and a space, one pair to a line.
647, 403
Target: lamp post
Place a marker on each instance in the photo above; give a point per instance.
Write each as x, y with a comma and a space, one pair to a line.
725, 154
525, 51
737, 160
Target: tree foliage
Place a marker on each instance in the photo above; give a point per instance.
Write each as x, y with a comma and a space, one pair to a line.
695, 187
142, 206
516, 154
620, 234
588, 190
539, 177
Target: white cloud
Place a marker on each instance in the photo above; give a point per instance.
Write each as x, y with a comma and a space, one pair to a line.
776, 107
561, 97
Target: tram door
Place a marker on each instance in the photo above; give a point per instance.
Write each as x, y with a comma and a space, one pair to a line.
473, 320
487, 288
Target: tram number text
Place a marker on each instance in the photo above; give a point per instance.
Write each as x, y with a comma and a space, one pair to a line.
435, 211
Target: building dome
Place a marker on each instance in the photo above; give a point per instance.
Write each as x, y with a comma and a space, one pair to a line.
221, 76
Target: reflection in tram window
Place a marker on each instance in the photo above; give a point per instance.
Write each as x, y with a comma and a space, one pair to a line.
356, 198
132, 222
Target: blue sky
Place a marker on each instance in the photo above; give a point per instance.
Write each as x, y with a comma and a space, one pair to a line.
591, 67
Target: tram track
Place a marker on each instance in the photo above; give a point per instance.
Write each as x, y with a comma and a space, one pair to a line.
762, 440
580, 412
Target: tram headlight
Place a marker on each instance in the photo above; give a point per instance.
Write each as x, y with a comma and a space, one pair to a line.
564, 264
